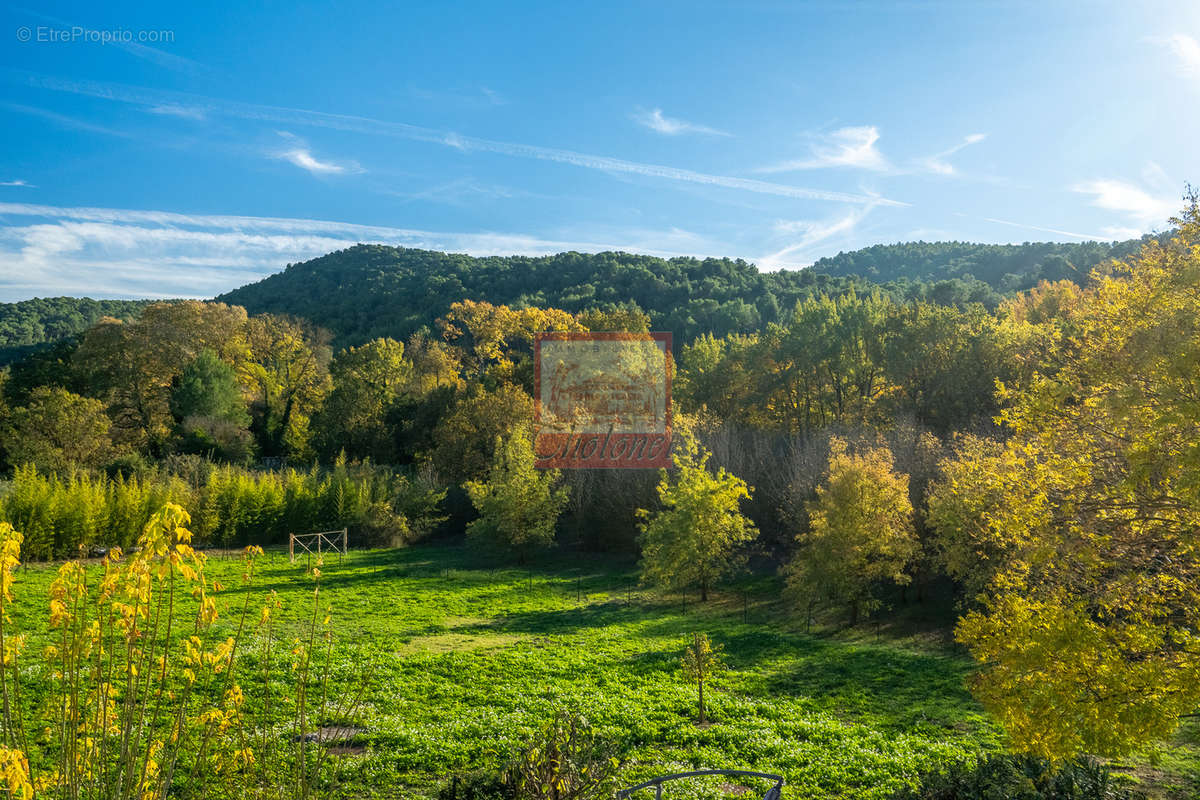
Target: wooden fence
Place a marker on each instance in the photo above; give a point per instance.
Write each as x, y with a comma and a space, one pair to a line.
322, 541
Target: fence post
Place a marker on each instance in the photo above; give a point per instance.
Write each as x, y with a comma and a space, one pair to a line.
345, 539
292, 547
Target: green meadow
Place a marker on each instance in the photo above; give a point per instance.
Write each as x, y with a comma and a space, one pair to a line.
456, 661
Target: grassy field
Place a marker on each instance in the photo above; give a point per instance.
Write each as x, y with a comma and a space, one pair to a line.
459, 661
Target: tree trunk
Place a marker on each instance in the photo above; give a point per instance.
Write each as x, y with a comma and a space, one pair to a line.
702, 718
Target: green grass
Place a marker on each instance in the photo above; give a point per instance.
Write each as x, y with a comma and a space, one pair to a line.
462, 661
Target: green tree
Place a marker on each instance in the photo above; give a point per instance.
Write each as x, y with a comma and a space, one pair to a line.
699, 663
208, 387
518, 504
693, 539
1087, 631
464, 439
58, 430
860, 533
367, 382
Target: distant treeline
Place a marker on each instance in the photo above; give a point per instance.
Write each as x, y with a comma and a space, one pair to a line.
29, 324
370, 291
1004, 267
373, 291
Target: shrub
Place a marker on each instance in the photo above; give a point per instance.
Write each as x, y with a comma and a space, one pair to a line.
1018, 777
565, 759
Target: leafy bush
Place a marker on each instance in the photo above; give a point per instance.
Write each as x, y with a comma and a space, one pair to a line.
1009, 777
482, 785
564, 760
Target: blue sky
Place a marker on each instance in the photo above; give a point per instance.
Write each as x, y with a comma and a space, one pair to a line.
198, 149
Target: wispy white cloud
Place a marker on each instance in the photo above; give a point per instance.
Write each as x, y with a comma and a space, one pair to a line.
164, 59
800, 252
1118, 232
105, 252
1056, 231
656, 121
1184, 50
176, 110
64, 121
845, 147
367, 125
297, 152
18, 182
937, 162
857, 147
1144, 210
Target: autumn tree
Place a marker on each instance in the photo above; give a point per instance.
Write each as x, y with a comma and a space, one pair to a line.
58, 430
464, 438
860, 533
700, 661
367, 381
1086, 632
492, 339
132, 365
627, 318
285, 372
518, 504
693, 539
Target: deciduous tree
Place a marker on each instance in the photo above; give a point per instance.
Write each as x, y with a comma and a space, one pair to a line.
694, 538
860, 533
1087, 634
518, 504
58, 430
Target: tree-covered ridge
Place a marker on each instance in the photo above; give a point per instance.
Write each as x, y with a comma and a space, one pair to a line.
26, 325
369, 291
1003, 267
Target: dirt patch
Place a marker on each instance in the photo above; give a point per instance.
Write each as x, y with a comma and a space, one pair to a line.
457, 642
328, 734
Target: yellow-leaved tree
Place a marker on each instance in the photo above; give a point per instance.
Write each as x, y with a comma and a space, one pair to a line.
693, 539
860, 533
1079, 535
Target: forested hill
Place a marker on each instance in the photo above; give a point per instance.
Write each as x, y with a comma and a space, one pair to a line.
1004, 267
369, 291
29, 324
372, 290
